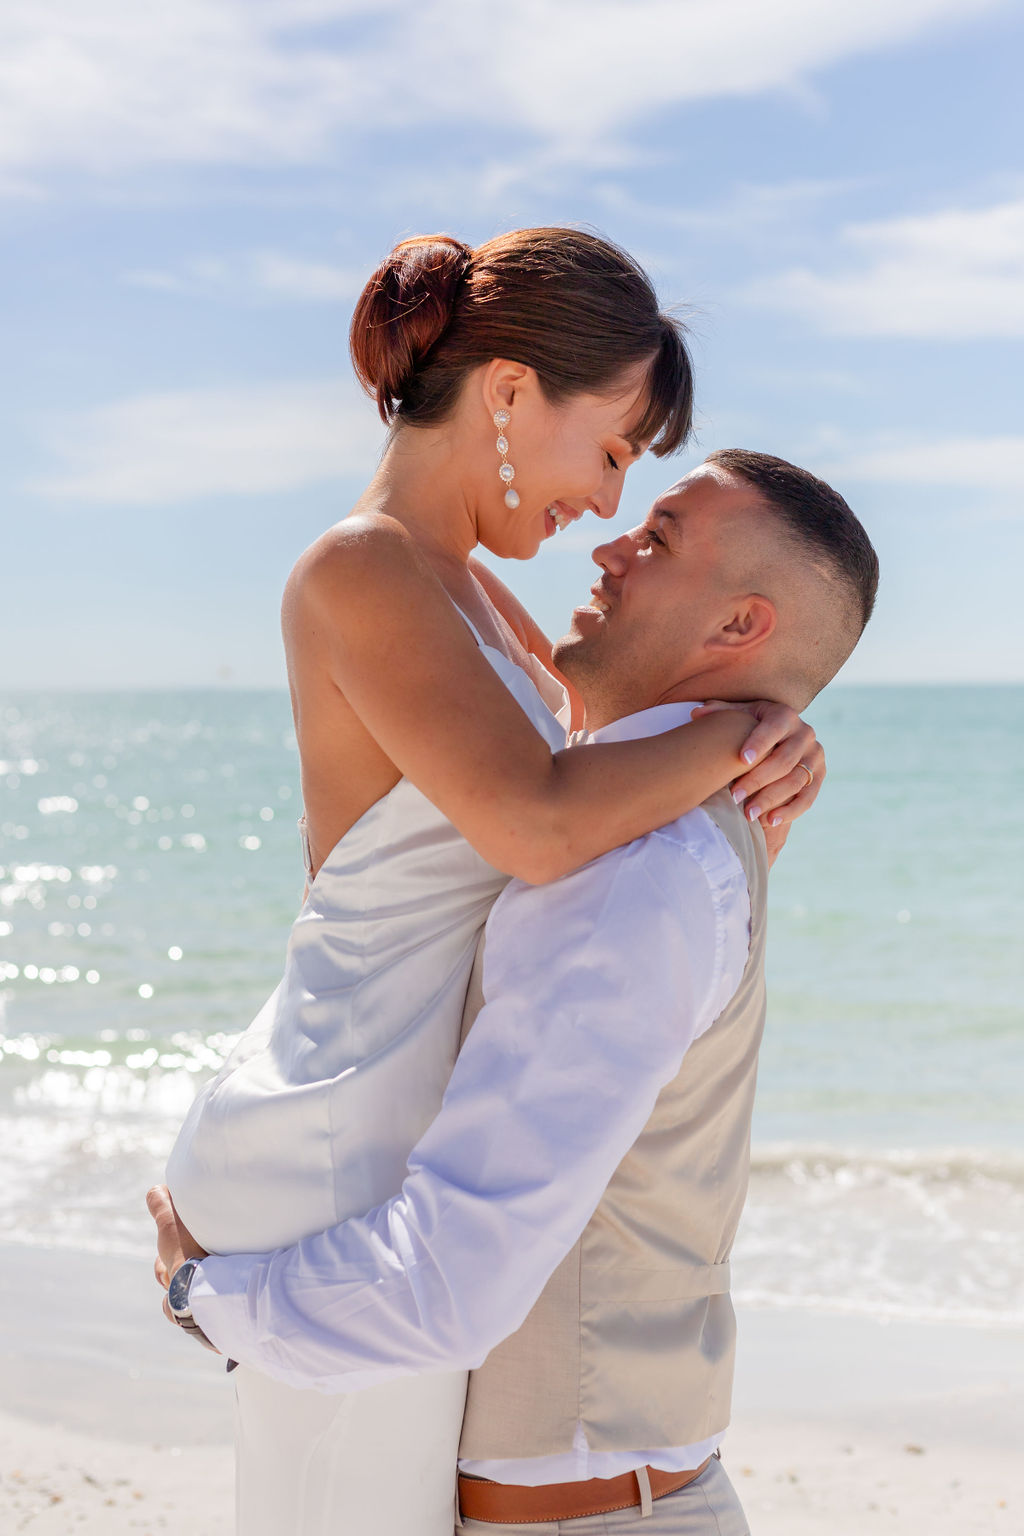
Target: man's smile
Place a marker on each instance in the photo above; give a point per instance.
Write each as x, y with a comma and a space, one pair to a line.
599, 599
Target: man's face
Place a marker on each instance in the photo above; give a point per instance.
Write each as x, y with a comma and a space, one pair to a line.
664, 588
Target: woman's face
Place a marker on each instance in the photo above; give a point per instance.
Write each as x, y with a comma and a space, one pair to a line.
569, 459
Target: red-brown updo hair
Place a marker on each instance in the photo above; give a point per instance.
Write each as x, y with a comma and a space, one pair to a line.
568, 304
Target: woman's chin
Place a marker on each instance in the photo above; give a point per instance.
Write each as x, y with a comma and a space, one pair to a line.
522, 548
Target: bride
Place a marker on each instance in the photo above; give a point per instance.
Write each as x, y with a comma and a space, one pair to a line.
521, 380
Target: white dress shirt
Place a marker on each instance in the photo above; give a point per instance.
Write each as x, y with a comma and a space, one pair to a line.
594, 987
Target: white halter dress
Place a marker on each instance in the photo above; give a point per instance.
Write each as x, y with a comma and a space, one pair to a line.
312, 1119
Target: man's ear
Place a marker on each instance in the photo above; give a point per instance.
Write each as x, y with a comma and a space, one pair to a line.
751, 623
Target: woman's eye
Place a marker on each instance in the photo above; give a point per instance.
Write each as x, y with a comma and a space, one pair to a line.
611, 461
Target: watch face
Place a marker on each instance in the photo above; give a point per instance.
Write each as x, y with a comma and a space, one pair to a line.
177, 1291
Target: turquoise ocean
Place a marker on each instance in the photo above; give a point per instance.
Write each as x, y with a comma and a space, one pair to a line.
150, 868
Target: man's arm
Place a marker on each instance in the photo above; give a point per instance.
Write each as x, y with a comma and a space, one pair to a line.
595, 986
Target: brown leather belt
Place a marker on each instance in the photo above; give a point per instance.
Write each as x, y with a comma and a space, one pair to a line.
514, 1504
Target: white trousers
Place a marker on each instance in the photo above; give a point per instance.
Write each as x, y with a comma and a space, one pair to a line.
707, 1507
374, 1463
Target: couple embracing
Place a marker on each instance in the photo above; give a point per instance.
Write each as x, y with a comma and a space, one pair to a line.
495, 1119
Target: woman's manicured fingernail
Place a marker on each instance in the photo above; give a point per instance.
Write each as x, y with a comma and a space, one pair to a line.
775, 821
739, 795
753, 814
749, 755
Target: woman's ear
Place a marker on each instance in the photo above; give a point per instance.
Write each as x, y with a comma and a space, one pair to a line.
500, 381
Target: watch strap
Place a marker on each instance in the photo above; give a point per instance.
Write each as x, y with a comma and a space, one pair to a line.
191, 1327
181, 1281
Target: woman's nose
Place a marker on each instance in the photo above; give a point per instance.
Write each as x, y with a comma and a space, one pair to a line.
607, 502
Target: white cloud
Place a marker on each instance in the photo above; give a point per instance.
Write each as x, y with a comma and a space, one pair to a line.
291, 277
976, 464
748, 212
954, 274
19, 189
165, 448
115, 86
259, 274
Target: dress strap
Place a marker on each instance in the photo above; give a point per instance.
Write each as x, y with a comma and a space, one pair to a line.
477, 636
307, 855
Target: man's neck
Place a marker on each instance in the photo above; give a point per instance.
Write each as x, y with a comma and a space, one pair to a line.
650, 721
596, 716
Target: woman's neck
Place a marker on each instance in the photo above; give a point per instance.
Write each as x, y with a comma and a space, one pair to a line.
421, 484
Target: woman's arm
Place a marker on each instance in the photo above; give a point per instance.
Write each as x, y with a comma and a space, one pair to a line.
396, 649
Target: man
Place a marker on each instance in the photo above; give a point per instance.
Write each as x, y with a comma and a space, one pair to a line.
567, 1220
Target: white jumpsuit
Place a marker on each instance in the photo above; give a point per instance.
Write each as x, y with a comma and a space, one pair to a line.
312, 1119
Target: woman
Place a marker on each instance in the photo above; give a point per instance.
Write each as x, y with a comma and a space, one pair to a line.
521, 381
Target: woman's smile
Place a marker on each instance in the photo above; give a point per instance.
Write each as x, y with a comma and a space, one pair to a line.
558, 515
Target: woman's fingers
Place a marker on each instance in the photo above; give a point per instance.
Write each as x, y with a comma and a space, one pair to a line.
790, 795
785, 799
801, 746
777, 725
774, 838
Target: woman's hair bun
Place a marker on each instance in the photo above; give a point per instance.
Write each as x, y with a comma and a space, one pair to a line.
403, 311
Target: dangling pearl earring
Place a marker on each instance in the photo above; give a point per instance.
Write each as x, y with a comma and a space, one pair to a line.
505, 470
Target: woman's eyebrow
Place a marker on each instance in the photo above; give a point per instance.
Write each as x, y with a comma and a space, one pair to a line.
634, 444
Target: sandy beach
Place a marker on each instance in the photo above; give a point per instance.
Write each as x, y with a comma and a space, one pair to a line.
847, 1426
111, 1423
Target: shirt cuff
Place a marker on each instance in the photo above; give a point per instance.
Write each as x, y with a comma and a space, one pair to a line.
219, 1300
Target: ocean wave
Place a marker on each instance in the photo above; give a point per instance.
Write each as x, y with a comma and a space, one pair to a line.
928, 1235
891, 1311
805, 1164
933, 1234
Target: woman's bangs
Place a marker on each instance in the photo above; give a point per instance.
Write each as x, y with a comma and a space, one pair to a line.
667, 417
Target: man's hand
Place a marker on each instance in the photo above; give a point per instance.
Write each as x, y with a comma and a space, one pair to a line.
174, 1241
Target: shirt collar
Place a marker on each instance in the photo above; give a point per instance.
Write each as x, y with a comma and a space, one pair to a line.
646, 722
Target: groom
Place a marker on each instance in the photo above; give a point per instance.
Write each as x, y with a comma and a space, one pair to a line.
566, 1223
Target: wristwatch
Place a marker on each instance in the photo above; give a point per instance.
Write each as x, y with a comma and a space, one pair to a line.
178, 1301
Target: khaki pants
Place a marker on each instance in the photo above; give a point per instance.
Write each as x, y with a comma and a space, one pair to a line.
707, 1507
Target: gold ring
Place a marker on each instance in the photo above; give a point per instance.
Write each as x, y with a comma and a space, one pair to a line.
809, 772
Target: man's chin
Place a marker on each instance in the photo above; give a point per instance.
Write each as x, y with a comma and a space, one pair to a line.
584, 627
566, 650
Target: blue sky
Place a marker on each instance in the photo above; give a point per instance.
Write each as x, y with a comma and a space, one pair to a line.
190, 202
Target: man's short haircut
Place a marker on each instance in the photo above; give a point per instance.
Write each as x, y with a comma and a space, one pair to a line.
817, 518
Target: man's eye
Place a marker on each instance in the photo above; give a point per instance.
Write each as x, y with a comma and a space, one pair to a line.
652, 536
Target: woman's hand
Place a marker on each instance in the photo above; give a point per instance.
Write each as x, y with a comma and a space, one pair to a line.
777, 790
175, 1242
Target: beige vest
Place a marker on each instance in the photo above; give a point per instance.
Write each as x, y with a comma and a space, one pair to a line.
634, 1334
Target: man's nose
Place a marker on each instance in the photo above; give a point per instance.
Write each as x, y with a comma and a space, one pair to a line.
614, 556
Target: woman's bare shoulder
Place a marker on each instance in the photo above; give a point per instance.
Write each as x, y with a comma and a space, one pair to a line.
357, 556
354, 547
